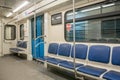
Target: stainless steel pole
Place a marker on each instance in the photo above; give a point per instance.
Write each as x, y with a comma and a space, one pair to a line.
74, 36
74, 59
34, 30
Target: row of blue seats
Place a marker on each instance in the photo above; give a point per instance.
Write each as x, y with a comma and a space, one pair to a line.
96, 53
19, 46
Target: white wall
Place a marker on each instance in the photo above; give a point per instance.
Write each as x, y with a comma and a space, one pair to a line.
0, 37
56, 32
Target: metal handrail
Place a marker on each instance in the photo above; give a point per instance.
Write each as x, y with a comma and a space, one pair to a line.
40, 37
39, 44
74, 59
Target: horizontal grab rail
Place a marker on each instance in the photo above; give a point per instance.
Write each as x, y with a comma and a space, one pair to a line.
39, 44
40, 37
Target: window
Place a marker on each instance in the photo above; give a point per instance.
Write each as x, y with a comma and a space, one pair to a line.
91, 28
56, 19
10, 32
22, 32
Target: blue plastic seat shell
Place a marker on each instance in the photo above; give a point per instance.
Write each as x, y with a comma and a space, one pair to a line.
116, 56
53, 48
81, 51
44, 58
64, 49
91, 70
69, 65
54, 61
112, 75
99, 53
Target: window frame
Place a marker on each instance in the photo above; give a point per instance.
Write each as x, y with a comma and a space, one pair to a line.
12, 26
91, 17
60, 20
22, 25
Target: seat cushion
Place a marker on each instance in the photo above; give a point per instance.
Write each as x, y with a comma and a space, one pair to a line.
91, 70
54, 60
15, 49
112, 75
20, 50
44, 58
69, 65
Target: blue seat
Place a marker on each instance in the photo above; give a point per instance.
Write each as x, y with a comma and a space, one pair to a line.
91, 70
19, 50
116, 56
24, 44
70, 65
64, 50
81, 53
15, 49
18, 43
54, 61
53, 48
44, 58
112, 75
97, 53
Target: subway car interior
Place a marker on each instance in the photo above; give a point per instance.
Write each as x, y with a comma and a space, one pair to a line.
59, 39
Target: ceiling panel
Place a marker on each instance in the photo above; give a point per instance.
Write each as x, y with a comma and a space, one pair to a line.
13, 4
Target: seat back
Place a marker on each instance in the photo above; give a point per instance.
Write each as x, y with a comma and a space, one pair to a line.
99, 53
80, 51
64, 49
18, 43
116, 56
53, 48
22, 44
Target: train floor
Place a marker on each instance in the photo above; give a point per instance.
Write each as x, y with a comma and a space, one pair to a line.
15, 68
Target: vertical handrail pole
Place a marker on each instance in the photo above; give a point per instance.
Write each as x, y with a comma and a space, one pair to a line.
34, 32
74, 36
74, 51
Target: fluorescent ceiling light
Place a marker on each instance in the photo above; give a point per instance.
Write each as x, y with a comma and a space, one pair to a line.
70, 14
91, 9
21, 6
95, 8
9, 14
108, 5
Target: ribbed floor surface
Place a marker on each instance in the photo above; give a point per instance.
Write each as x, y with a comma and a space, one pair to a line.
13, 68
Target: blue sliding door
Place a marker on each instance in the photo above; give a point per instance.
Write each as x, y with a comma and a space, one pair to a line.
37, 42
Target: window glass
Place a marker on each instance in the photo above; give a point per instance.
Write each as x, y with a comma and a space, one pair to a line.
22, 32
108, 31
94, 30
118, 28
83, 12
10, 32
93, 10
